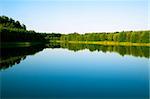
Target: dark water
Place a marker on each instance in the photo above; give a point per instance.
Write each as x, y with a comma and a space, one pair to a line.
68, 71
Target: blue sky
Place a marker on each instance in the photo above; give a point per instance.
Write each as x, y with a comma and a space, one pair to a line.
82, 16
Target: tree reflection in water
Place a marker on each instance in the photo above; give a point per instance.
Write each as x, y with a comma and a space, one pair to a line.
11, 56
137, 51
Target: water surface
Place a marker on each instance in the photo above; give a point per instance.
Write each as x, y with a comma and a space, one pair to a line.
75, 71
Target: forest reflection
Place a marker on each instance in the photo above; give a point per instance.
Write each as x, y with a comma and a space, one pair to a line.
11, 56
137, 51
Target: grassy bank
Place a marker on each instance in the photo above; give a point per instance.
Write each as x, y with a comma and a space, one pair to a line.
107, 43
19, 44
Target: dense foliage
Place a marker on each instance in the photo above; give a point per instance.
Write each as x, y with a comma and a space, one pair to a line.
10, 23
124, 36
20, 35
14, 31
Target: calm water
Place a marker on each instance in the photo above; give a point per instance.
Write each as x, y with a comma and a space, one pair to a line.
75, 72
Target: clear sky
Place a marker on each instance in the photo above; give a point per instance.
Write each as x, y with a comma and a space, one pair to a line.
82, 16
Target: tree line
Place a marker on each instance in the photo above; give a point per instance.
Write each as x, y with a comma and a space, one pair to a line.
20, 35
10, 23
124, 36
14, 31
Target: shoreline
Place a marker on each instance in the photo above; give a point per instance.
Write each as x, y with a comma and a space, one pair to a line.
106, 43
18, 44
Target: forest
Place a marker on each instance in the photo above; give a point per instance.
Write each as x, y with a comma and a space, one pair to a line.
14, 31
124, 36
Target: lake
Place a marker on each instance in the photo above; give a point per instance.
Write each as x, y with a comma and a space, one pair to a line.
75, 71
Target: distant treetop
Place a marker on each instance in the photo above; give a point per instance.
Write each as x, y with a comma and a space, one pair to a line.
10, 23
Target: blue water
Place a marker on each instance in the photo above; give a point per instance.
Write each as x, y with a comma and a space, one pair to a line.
63, 74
